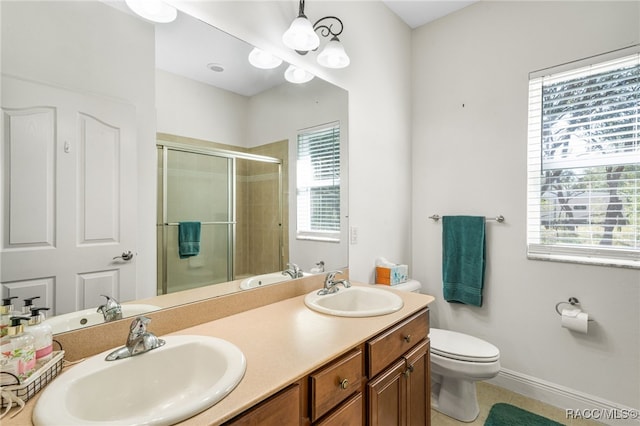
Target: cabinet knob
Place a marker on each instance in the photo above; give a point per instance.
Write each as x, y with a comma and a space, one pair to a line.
344, 383
407, 338
408, 371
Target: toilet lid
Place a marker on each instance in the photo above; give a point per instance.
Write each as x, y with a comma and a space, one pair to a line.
461, 346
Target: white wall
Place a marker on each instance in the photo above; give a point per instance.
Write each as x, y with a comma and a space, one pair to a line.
470, 75
186, 107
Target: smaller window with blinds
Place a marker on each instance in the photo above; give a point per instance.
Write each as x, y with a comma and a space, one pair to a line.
584, 162
318, 183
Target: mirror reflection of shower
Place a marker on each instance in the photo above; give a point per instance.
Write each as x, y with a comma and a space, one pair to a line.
220, 213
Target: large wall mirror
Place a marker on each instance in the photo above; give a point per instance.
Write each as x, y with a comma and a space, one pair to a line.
102, 110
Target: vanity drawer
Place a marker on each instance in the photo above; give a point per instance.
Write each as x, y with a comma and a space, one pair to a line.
393, 343
335, 383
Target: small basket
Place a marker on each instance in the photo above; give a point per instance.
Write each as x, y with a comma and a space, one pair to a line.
36, 381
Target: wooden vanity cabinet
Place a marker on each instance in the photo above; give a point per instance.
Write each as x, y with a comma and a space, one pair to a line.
399, 394
396, 365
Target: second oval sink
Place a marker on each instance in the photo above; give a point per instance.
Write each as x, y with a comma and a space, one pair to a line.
355, 302
161, 387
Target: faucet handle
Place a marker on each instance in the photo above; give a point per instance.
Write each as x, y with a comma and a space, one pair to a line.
331, 275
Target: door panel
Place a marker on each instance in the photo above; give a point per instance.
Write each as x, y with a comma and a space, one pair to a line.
68, 194
30, 183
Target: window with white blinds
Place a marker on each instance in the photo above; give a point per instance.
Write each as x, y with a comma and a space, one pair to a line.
584, 163
318, 183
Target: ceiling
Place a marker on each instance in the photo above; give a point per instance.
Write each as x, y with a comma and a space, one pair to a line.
190, 48
419, 12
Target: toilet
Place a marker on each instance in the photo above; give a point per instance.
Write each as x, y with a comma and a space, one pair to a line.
458, 361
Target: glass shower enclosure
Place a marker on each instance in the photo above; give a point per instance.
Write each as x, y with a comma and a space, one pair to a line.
236, 198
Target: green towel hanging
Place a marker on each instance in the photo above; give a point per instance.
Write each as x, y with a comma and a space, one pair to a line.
188, 239
463, 259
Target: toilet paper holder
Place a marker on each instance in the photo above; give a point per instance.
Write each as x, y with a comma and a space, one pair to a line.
572, 301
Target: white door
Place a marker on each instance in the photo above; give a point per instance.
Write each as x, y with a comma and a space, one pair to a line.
68, 196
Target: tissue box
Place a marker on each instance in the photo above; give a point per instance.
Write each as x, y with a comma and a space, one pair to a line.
393, 275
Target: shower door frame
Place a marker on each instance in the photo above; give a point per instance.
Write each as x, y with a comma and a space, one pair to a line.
232, 156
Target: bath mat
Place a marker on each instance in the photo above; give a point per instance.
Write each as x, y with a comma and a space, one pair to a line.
508, 415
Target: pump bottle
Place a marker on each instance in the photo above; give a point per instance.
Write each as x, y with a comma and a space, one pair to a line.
6, 312
43, 335
17, 351
28, 304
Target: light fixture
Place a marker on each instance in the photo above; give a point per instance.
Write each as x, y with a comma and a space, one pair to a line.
301, 36
333, 55
153, 10
297, 75
263, 60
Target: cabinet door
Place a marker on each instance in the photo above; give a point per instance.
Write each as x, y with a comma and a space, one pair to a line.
387, 396
282, 409
418, 380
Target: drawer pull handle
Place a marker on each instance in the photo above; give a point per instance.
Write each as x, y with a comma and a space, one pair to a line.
344, 383
408, 371
407, 338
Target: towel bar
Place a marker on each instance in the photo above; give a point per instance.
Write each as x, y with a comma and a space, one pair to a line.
498, 219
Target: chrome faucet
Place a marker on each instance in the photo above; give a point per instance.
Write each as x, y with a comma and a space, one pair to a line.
331, 286
139, 341
111, 310
293, 271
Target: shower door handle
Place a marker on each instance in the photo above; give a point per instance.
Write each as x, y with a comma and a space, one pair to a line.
126, 256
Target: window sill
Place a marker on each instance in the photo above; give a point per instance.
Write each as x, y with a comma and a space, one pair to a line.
319, 239
585, 260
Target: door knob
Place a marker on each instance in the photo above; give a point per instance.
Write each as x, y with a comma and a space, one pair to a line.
126, 256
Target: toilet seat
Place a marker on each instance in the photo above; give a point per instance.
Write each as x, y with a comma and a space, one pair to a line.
462, 347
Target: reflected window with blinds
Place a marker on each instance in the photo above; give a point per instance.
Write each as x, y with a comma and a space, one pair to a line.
584, 162
318, 183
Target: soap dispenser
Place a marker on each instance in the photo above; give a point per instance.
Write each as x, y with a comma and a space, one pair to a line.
43, 335
6, 312
28, 303
17, 350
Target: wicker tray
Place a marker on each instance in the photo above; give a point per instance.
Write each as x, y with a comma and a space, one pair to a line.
37, 381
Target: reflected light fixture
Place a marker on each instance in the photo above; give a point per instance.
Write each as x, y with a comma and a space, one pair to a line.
153, 10
263, 60
297, 75
301, 36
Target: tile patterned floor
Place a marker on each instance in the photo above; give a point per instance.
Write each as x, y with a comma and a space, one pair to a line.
489, 394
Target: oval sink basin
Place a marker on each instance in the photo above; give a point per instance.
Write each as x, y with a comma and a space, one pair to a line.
355, 302
265, 279
87, 317
161, 387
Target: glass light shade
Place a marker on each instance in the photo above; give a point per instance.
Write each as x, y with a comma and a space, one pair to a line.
301, 36
333, 55
263, 60
297, 75
153, 10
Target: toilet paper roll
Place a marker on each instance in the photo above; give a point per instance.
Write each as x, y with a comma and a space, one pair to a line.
576, 320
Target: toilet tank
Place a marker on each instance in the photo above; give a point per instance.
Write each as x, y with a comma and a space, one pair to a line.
413, 286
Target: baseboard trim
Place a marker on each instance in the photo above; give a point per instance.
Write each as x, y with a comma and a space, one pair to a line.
568, 399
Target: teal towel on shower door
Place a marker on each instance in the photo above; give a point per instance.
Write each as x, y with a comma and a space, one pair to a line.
463, 259
188, 239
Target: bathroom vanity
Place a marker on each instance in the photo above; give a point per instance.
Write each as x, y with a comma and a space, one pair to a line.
304, 367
